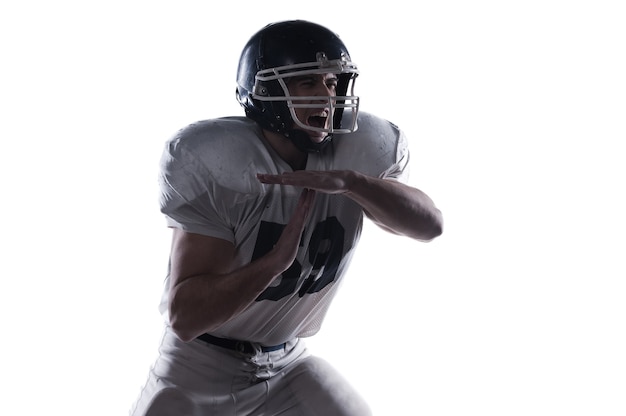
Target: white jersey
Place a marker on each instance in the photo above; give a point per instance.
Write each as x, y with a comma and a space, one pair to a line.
209, 186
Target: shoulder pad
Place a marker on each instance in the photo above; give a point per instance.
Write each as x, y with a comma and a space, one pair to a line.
227, 151
373, 148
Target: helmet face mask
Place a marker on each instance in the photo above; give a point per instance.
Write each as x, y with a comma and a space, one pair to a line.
282, 51
342, 67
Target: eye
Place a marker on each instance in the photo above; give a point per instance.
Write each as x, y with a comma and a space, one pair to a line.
331, 83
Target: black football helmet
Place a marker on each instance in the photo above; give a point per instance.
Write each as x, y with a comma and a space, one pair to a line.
286, 49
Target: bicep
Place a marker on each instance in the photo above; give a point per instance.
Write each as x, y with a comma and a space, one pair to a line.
195, 254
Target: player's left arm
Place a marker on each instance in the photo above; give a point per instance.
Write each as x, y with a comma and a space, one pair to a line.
393, 205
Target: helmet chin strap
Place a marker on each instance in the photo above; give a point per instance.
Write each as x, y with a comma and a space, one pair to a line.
304, 143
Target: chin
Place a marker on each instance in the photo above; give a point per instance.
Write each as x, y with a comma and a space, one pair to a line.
317, 137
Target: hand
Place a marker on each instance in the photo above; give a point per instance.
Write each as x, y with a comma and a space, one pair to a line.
329, 182
286, 248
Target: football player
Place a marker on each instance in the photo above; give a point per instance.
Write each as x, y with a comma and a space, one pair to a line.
266, 212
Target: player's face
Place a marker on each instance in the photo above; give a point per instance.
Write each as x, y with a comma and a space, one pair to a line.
316, 85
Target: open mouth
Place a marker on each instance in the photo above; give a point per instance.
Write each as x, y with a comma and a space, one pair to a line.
318, 120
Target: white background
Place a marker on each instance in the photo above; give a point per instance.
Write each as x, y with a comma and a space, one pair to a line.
516, 115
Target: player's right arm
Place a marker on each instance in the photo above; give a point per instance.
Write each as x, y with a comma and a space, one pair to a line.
206, 290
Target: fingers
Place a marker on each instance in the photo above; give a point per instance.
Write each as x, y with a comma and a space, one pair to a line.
287, 246
299, 178
301, 214
329, 182
305, 203
271, 179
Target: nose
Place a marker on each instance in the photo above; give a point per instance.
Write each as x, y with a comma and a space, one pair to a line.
322, 88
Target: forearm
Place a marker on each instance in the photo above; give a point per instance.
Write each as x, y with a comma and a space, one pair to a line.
208, 286
397, 207
203, 302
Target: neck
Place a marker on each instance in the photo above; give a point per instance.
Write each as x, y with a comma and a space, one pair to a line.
287, 151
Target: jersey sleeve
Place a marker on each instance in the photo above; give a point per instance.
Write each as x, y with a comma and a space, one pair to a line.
399, 170
188, 195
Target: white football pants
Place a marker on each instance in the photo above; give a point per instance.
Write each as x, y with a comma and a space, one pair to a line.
199, 379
